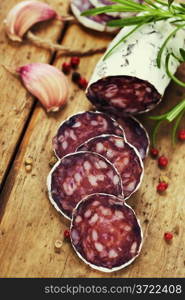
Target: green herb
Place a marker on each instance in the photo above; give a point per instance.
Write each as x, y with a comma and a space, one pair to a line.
176, 113
159, 56
173, 77
151, 11
156, 10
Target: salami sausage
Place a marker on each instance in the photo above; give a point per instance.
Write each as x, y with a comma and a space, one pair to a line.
124, 157
81, 127
135, 134
78, 175
122, 82
105, 232
93, 22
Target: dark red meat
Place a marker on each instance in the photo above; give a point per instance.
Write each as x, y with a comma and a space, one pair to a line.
105, 232
124, 158
81, 127
135, 134
78, 175
123, 95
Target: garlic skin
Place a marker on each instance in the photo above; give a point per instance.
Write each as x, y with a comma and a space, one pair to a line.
46, 83
24, 15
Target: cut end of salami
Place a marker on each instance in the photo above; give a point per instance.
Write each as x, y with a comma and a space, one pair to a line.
81, 127
98, 23
105, 233
135, 134
78, 175
123, 95
124, 157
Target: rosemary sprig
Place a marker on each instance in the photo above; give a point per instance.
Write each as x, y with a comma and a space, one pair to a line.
175, 127
159, 56
155, 131
151, 11
160, 10
172, 113
176, 113
173, 77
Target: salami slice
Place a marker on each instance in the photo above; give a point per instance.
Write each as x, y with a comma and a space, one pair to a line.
124, 157
98, 22
78, 175
128, 81
135, 134
81, 127
105, 233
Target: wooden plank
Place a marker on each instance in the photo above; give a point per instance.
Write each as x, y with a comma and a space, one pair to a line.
15, 101
39, 234
30, 225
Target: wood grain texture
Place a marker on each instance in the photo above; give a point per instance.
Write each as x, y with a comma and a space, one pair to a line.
30, 225
16, 102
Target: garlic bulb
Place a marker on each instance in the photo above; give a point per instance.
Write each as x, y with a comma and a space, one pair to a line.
47, 83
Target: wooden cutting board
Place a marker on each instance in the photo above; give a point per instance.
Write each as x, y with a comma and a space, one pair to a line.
29, 225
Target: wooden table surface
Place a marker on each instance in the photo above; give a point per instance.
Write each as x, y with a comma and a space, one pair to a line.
29, 225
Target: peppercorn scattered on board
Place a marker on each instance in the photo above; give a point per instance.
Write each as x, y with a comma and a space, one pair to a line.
29, 225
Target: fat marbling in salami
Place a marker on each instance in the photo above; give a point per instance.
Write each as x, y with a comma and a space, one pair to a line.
123, 156
78, 175
81, 127
105, 232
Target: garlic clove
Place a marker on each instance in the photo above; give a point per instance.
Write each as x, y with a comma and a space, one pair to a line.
46, 83
24, 15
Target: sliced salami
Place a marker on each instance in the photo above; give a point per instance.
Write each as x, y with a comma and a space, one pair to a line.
81, 127
135, 134
98, 22
123, 83
124, 157
78, 175
105, 233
